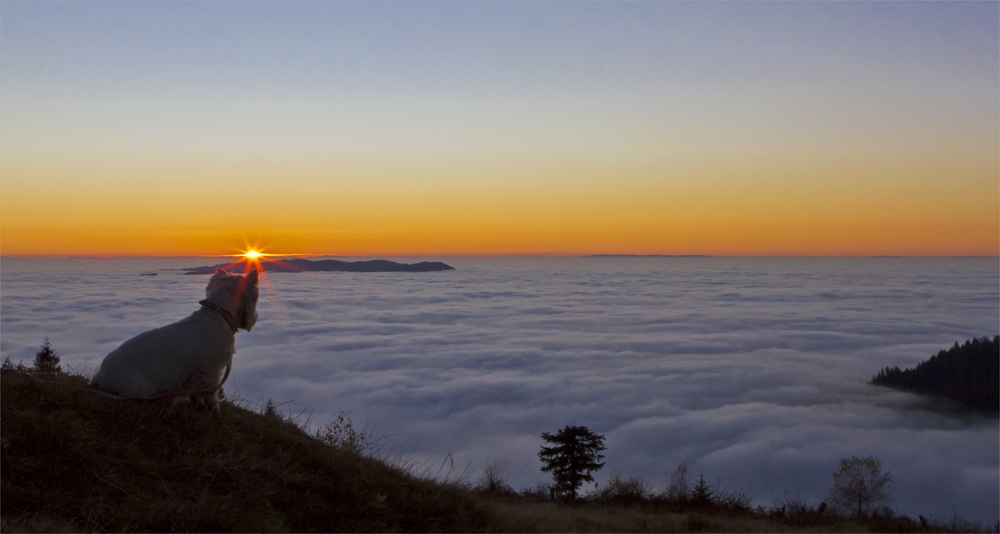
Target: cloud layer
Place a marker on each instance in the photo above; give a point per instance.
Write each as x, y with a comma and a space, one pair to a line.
750, 370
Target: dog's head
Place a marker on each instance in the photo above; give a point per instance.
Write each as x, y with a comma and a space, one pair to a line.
235, 293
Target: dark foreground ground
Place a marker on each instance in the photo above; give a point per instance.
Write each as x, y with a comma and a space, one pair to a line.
73, 461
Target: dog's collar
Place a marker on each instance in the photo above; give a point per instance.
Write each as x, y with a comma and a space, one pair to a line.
222, 311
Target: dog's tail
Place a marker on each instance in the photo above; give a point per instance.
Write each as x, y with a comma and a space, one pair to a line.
229, 367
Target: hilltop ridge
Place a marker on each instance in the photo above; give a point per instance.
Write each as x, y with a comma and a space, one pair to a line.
74, 461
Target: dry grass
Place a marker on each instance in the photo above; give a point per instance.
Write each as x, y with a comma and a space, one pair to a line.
525, 516
551, 517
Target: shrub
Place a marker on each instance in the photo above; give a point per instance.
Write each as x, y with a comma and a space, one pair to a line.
679, 488
790, 504
342, 434
538, 492
860, 487
493, 481
623, 489
734, 501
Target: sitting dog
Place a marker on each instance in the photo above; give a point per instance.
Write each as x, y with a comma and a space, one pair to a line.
190, 358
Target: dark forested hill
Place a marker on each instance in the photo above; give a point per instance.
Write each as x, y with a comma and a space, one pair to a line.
968, 373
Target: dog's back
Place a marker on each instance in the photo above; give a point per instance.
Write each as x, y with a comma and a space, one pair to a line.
182, 355
191, 354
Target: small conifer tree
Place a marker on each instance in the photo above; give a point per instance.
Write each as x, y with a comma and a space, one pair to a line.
47, 360
271, 410
702, 494
576, 454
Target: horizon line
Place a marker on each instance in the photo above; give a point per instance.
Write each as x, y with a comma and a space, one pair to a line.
512, 255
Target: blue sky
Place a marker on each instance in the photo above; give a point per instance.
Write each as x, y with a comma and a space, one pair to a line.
563, 109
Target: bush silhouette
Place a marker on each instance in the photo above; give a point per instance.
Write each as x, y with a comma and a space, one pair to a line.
860, 486
624, 490
493, 481
679, 488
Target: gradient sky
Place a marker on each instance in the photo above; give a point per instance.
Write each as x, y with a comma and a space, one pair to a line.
766, 128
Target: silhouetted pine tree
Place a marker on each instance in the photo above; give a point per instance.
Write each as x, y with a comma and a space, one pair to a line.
701, 493
47, 359
968, 373
271, 410
574, 457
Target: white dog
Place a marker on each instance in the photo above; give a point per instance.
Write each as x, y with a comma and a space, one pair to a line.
190, 357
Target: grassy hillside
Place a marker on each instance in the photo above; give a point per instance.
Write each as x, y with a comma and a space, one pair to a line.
76, 461
73, 461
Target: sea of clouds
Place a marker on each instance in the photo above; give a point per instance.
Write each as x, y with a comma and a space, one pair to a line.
751, 370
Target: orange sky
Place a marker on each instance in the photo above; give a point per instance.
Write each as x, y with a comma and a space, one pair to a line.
146, 140
775, 214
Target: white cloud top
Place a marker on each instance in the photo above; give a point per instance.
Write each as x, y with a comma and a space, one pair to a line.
750, 370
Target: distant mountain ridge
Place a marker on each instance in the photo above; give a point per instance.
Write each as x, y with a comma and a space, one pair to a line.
298, 265
968, 373
647, 256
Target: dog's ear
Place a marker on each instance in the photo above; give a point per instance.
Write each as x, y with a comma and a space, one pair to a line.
253, 277
214, 280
